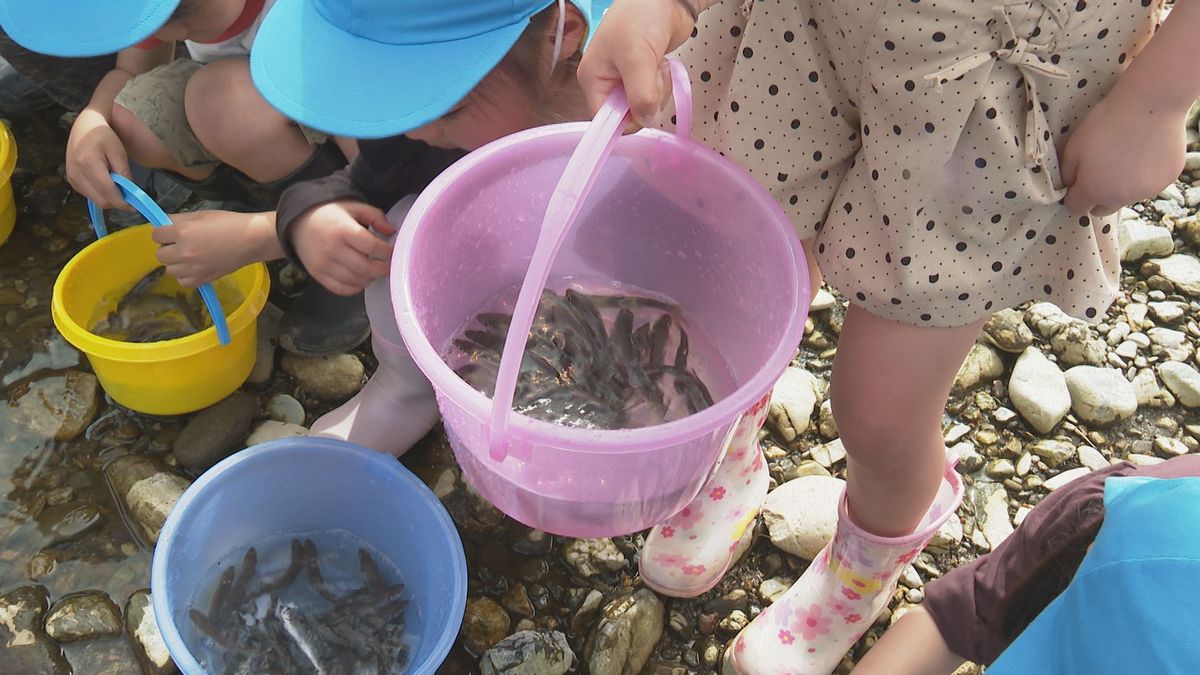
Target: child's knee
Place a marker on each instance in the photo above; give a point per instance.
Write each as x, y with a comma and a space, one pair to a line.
140, 142
215, 104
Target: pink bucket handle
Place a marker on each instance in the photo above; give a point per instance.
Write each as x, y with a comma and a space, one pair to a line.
568, 197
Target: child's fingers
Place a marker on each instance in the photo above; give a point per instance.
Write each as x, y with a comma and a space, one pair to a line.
168, 255
167, 234
370, 216
1080, 200
369, 246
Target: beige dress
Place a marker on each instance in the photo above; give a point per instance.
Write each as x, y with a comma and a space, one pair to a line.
915, 141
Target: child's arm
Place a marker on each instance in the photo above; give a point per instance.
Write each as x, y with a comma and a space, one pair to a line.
1132, 143
912, 646
93, 149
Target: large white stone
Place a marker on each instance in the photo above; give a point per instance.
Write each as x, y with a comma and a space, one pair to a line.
1138, 239
1183, 271
1183, 381
792, 402
1101, 396
1038, 390
801, 514
981, 366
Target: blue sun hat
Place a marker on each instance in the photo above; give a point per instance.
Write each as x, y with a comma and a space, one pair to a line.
375, 68
76, 28
1132, 605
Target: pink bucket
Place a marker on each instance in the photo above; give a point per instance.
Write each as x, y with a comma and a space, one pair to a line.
665, 215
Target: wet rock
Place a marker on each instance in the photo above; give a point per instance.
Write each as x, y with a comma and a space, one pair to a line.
516, 601
216, 432
1006, 329
329, 378
1148, 391
806, 467
826, 426
143, 633
268, 340
734, 623
270, 430
75, 521
59, 406
1038, 390
1183, 381
1001, 468
630, 628
1052, 452
1101, 396
589, 557
1066, 477
1138, 239
284, 408
801, 514
981, 366
771, 589
484, 625
1182, 270
60, 495
148, 490
829, 454
24, 647
588, 609
535, 543
1091, 458
529, 653
83, 616
792, 402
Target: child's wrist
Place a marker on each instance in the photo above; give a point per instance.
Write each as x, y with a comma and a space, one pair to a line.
1142, 89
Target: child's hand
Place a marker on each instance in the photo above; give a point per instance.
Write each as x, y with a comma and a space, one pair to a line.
629, 48
93, 152
203, 246
1121, 153
338, 250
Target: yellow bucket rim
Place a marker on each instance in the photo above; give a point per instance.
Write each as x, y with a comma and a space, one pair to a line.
8, 153
164, 350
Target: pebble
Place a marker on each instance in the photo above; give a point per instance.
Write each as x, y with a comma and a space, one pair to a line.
588, 609
806, 467
1127, 349
148, 644
284, 408
74, 522
1075, 345
770, 589
1182, 270
829, 454
1148, 391
1024, 464
915, 595
1006, 329
1137, 239
270, 430
1023, 511
1100, 396
1000, 469
1118, 333
60, 495
83, 616
1066, 477
1174, 344
60, 406
148, 490
801, 514
1169, 447
516, 600
793, 401
734, 623
1167, 312
955, 433
981, 366
1139, 459
947, 536
910, 578
626, 636
1140, 339
822, 301
1183, 381
1136, 313
484, 624
216, 432
529, 653
329, 378
1052, 452
534, 543
1091, 458
995, 521
1038, 390
589, 557
26, 648
826, 426
1004, 415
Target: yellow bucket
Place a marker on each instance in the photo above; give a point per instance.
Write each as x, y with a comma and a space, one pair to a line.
8, 162
170, 377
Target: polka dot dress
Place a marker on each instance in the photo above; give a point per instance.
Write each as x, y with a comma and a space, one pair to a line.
915, 141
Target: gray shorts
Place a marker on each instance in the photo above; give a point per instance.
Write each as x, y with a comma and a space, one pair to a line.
156, 98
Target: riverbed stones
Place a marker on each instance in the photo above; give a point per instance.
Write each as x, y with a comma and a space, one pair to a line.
59, 406
529, 653
801, 515
216, 432
271, 430
142, 629
590, 557
1038, 390
981, 366
793, 400
1101, 396
1183, 381
285, 408
1182, 270
329, 378
1149, 392
629, 628
1138, 239
148, 490
83, 616
24, 647
485, 624
1006, 330
1052, 451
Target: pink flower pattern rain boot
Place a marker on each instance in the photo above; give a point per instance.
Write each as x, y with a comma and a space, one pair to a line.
810, 628
689, 553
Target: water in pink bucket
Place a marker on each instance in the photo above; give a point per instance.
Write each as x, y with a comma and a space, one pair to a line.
666, 218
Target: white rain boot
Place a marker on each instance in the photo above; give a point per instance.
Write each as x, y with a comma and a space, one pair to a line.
689, 553
810, 628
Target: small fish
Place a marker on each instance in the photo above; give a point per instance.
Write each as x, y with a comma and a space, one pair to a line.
291, 618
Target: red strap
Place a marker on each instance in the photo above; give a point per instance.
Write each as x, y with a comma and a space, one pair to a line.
250, 12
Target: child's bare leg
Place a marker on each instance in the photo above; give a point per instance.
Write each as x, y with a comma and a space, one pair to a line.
348, 146
889, 387
146, 149
233, 121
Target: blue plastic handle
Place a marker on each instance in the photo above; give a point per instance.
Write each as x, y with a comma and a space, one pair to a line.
157, 217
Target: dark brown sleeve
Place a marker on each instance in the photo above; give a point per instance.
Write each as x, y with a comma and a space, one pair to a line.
385, 171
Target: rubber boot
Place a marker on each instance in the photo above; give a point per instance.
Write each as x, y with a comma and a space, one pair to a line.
224, 184
321, 323
396, 408
810, 628
689, 553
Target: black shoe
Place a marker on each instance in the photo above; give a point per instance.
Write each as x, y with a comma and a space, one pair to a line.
169, 194
320, 323
18, 95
